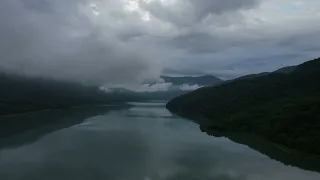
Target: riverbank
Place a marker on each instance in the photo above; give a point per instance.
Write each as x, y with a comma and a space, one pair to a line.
273, 150
64, 108
18, 123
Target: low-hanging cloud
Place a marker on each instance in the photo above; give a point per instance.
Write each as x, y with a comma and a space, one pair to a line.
187, 87
158, 87
163, 87
67, 40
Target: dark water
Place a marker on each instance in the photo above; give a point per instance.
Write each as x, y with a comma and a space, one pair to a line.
144, 142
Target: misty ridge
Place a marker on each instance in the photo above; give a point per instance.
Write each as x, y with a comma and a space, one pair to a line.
48, 45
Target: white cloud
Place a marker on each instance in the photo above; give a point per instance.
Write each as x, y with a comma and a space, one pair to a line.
158, 87
187, 87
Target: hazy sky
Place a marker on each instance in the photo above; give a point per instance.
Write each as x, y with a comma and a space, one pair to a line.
126, 41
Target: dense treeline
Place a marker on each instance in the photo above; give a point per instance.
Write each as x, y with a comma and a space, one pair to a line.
22, 94
282, 107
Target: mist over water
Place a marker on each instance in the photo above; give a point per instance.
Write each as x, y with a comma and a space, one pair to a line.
145, 142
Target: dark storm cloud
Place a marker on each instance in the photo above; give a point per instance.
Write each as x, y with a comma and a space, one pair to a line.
241, 53
205, 7
61, 39
189, 12
203, 41
38, 5
190, 71
197, 42
129, 41
252, 40
303, 42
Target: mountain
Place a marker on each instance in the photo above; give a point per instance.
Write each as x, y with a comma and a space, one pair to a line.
20, 94
281, 107
199, 80
250, 76
286, 70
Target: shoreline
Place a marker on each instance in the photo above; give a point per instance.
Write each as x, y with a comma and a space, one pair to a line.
63, 108
209, 126
273, 150
15, 124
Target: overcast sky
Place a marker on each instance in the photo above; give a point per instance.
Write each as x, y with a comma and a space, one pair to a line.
127, 41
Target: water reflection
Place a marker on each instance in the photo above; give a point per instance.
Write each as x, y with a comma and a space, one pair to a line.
284, 156
142, 143
17, 130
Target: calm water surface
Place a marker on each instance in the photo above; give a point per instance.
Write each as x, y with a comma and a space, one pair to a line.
144, 142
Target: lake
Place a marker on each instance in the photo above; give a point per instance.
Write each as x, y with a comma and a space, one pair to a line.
141, 142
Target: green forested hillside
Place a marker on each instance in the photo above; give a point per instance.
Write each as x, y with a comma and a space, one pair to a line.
282, 107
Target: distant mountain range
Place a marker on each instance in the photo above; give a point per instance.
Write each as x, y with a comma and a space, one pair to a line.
20, 94
210, 80
199, 80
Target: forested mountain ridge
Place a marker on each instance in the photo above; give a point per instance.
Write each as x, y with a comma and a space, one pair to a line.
20, 94
281, 107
